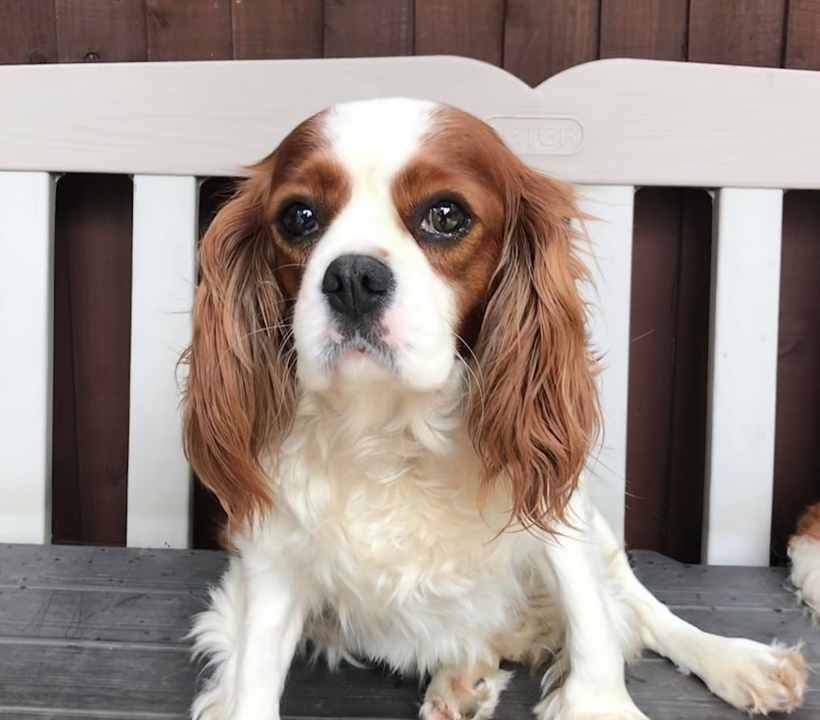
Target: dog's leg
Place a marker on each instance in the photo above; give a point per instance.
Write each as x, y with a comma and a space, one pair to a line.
216, 638
751, 676
595, 687
464, 693
249, 635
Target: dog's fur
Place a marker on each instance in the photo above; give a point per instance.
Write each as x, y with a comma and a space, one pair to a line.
804, 552
413, 494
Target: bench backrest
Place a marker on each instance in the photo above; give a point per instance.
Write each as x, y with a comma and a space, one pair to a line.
747, 134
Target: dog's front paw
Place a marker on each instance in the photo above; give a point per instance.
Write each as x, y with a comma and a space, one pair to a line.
757, 678
574, 701
456, 694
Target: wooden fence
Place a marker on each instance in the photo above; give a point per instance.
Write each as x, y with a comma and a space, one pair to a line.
533, 39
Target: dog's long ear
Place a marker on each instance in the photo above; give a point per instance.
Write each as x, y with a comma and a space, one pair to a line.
240, 393
534, 423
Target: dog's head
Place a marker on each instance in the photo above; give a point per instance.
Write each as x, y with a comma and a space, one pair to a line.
393, 241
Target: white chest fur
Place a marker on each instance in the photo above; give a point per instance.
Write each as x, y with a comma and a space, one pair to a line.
387, 534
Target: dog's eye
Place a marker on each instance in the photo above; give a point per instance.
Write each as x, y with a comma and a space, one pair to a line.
445, 219
298, 222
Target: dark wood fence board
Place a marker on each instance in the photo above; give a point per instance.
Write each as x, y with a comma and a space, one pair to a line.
797, 440
472, 28
101, 30
543, 37
655, 29
94, 242
189, 29
209, 519
655, 266
668, 361
803, 35
368, 28
687, 461
277, 29
28, 31
741, 32
66, 520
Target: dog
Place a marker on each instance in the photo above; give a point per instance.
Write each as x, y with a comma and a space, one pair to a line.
391, 392
804, 553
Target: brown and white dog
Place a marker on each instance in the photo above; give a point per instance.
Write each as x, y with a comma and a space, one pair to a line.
391, 393
804, 553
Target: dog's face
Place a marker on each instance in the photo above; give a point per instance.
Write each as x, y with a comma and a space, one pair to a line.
394, 220
372, 220
390, 241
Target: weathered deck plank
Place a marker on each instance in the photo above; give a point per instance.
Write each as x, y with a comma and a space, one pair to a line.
91, 633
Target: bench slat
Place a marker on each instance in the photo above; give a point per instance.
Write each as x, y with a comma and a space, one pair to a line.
26, 325
164, 276
610, 235
742, 376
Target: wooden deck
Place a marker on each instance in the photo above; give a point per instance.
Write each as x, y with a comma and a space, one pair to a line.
91, 633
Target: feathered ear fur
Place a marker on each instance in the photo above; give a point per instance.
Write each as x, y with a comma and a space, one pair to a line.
534, 424
240, 393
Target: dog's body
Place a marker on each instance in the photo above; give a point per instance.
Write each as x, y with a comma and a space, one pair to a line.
410, 492
804, 553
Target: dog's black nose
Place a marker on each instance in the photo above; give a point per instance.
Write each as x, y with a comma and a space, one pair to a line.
356, 286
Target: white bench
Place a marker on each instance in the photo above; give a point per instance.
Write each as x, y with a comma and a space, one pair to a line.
748, 134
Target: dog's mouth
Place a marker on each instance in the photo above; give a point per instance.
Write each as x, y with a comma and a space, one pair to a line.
355, 347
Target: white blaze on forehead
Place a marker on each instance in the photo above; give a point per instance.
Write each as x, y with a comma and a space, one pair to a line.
374, 139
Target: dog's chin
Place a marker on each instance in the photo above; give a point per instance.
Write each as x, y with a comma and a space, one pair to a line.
347, 366
350, 365
356, 366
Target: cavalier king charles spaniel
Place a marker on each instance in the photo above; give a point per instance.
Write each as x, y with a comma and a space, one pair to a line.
391, 393
804, 553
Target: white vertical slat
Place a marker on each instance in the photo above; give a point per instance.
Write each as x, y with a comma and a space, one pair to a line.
159, 480
26, 289
610, 234
742, 376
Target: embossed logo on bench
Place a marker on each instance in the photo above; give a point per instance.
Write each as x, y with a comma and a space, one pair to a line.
539, 134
